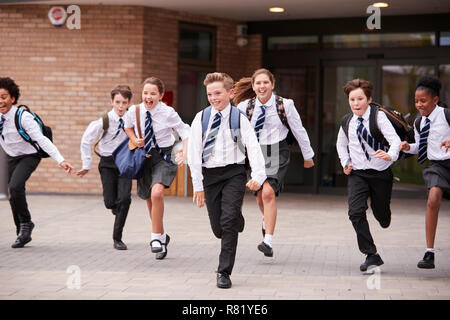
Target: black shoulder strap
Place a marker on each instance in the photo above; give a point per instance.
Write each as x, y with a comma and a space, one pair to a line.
281, 111
447, 115
345, 122
250, 108
419, 119
375, 131
417, 122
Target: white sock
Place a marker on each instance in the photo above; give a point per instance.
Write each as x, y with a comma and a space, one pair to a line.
268, 239
430, 250
156, 236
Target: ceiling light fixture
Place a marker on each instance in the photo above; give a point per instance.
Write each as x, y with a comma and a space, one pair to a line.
276, 10
381, 4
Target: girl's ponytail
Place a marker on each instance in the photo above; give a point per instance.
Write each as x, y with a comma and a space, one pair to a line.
243, 90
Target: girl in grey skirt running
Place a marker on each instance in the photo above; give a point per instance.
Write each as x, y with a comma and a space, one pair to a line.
432, 133
159, 169
272, 117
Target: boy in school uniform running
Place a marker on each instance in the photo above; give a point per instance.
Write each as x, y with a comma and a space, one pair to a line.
116, 189
22, 157
367, 167
218, 171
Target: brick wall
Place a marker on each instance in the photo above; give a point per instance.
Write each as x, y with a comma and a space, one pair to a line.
161, 46
66, 75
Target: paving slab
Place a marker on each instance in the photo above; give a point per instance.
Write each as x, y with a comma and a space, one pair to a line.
316, 257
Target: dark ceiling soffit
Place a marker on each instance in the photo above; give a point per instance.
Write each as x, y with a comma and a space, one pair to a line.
19, 1
415, 23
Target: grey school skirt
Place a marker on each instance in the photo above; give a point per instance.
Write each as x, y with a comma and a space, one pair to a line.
437, 174
276, 157
156, 170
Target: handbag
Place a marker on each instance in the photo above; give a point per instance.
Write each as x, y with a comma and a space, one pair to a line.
128, 158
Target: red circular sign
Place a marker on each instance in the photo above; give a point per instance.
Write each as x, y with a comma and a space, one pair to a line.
57, 16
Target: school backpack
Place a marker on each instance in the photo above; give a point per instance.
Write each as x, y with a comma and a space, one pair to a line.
105, 120
235, 125
46, 130
398, 121
281, 111
419, 119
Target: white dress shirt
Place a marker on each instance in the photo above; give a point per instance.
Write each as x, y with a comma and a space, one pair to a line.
356, 156
164, 119
439, 132
13, 143
225, 151
273, 130
107, 145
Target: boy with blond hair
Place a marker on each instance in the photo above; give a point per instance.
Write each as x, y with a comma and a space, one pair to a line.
217, 167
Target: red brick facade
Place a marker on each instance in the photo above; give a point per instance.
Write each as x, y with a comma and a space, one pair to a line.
66, 75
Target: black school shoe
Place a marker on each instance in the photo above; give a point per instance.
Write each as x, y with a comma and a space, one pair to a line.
385, 224
427, 262
119, 245
371, 260
161, 255
24, 235
264, 248
223, 280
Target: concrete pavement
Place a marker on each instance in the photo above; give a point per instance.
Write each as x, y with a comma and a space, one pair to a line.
315, 253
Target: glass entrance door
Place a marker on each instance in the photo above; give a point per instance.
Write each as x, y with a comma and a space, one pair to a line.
299, 84
399, 83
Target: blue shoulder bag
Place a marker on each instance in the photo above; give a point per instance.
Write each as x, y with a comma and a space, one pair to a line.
130, 159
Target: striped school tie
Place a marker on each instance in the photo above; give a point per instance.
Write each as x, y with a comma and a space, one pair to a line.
362, 133
2, 121
121, 127
423, 141
211, 139
150, 138
260, 121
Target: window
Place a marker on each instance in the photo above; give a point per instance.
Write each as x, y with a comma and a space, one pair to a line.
196, 58
380, 40
196, 44
292, 43
444, 40
444, 76
398, 87
299, 84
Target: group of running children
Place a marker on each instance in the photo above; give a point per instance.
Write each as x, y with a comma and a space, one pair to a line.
245, 120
